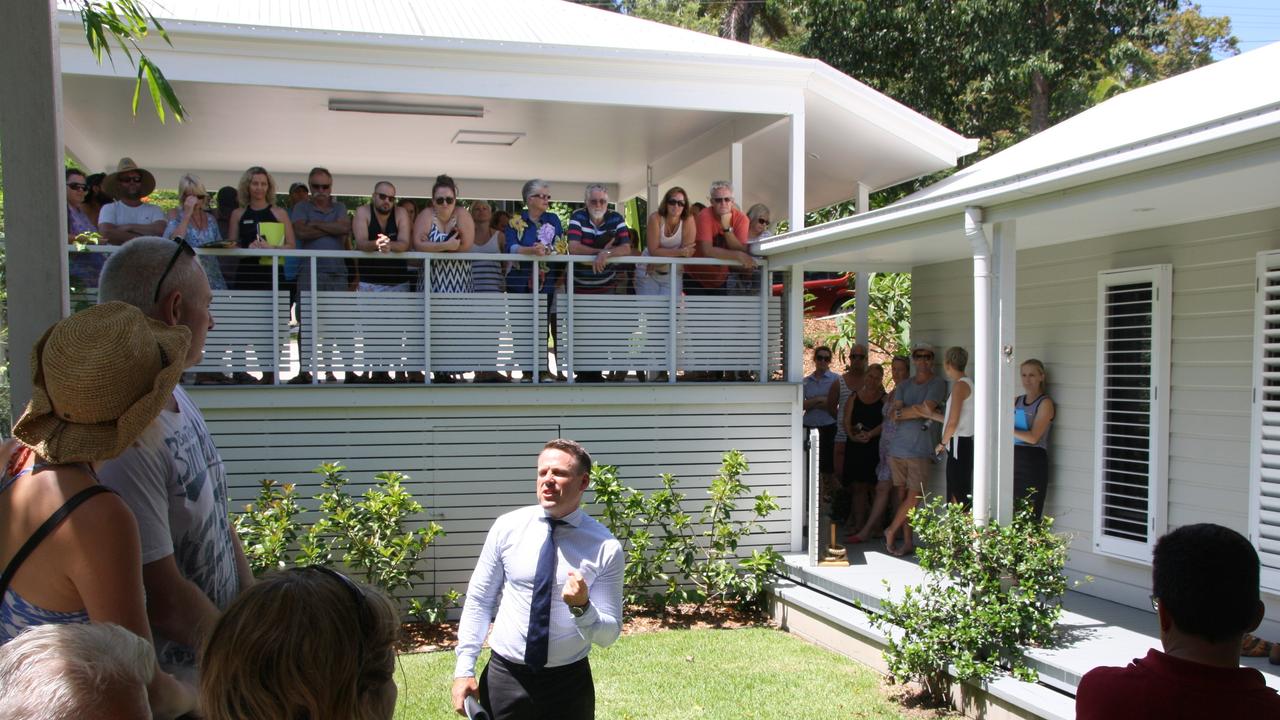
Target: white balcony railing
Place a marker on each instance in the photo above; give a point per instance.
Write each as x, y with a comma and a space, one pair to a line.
361, 331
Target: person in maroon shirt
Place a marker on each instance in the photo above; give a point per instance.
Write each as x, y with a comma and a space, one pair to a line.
1205, 592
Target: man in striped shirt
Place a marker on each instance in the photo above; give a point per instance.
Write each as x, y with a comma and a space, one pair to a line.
597, 230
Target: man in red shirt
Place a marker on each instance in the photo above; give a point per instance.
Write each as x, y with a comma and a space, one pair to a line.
1205, 591
722, 234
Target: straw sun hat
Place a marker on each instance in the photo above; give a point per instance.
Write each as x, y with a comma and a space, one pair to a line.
111, 183
100, 377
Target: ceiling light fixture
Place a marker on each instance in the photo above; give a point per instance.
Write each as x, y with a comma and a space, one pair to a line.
486, 137
394, 108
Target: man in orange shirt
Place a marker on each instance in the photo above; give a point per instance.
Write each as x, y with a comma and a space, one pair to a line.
722, 234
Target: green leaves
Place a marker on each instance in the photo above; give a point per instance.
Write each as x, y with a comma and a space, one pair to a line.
989, 592
126, 23
690, 559
367, 533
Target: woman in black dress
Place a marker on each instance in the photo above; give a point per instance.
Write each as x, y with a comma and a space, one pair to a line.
862, 418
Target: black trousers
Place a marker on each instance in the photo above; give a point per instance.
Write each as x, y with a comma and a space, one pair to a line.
1030, 473
513, 691
960, 472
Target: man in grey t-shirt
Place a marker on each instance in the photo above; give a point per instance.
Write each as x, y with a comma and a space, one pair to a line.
911, 449
322, 224
172, 477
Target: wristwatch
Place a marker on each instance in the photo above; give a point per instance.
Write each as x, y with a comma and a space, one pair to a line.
579, 610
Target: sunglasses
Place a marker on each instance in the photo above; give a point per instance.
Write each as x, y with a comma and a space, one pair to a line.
131, 179
544, 197
822, 358
315, 187
923, 356
722, 200
673, 202
201, 198
386, 197
763, 221
78, 186
598, 201
183, 247
444, 200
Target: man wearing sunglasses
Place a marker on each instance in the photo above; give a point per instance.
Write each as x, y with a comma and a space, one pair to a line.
128, 217
723, 232
383, 229
319, 224
172, 477
911, 451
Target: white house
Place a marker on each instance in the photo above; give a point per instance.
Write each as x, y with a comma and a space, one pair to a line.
1135, 249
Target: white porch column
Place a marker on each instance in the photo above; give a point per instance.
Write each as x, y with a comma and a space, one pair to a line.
35, 190
1006, 384
862, 285
795, 175
735, 174
793, 341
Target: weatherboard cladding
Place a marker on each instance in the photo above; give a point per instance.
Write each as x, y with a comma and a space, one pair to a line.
1211, 374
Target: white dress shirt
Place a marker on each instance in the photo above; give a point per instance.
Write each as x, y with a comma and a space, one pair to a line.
506, 568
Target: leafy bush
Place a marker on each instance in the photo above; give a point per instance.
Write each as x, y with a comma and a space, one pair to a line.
690, 559
888, 318
989, 592
366, 533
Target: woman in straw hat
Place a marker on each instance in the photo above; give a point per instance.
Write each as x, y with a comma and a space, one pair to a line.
69, 547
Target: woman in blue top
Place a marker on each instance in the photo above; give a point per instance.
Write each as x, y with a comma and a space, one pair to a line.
69, 547
1032, 415
534, 233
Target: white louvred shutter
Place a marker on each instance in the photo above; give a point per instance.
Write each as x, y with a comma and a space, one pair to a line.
1131, 428
1264, 462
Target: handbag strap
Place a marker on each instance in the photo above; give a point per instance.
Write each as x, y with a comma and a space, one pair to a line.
45, 530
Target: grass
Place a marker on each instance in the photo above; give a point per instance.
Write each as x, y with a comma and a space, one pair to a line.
749, 673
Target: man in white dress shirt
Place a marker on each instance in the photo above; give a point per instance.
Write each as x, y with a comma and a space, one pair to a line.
558, 573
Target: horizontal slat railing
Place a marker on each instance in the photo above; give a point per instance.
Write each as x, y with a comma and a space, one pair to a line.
343, 331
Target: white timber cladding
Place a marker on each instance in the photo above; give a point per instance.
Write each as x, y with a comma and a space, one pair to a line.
1211, 371
1131, 410
470, 452
1264, 466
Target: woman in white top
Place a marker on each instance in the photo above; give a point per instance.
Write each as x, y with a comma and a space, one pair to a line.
671, 232
487, 276
957, 428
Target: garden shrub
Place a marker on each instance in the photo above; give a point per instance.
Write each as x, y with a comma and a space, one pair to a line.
687, 558
989, 592
365, 533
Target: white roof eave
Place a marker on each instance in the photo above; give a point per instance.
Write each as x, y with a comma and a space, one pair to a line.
879, 226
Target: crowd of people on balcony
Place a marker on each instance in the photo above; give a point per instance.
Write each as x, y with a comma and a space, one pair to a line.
877, 447
115, 210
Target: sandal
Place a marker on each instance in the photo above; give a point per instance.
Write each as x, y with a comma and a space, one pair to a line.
1254, 646
854, 539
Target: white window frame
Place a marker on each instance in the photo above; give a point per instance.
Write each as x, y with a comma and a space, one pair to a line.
1161, 279
1265, 441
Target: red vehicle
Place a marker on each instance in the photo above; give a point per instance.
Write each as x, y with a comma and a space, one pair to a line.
830, 292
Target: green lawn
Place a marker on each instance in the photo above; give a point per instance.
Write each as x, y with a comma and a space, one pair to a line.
757, 673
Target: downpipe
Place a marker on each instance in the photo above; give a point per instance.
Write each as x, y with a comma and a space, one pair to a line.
983, 377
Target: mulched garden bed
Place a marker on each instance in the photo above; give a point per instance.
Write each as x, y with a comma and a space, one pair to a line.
421, 637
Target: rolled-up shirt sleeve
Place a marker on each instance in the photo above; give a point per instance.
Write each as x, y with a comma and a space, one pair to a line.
601, 624
478, 609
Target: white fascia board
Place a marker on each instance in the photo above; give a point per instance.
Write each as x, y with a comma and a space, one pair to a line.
481, 73
1246, 131
889, 114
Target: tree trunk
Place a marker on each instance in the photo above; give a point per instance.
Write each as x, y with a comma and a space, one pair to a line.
737, 20
1039, 103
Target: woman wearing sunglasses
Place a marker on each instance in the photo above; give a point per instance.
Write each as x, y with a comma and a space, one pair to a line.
193, 222
440, 228
85, 266
672, 232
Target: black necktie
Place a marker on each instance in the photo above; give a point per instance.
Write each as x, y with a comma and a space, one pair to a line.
544, 581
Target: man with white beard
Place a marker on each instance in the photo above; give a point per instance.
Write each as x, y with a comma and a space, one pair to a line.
597, 230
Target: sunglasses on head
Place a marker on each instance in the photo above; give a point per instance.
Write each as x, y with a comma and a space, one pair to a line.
364, 616
315, 187
183, 247
78, 186
386, 197
676, 202
444, 200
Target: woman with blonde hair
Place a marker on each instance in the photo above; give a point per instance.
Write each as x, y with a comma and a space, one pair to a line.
192, 221
1033, 413
257, 196
302, 643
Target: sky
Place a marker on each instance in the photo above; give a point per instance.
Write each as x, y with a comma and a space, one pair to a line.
1254, 22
